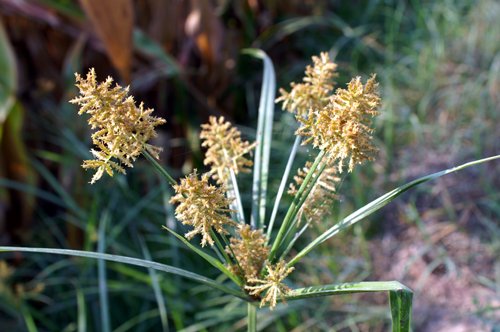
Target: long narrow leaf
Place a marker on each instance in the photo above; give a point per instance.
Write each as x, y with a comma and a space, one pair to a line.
137, 262
377, 204
156, 287
400, 297
101, 270
264, 135
208, 258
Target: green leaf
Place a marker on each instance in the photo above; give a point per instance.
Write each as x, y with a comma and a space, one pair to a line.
137, 262
377, 204
400, 297
264, 135
8, 75
208, 258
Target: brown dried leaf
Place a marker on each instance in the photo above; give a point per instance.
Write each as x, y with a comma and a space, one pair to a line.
113, 21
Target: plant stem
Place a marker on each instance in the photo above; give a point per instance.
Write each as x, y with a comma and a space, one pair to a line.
282, 187
234, 256
295, 206
219, 245
252, 317
159, 168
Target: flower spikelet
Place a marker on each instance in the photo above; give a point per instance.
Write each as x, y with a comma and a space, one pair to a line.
342, 128
225, 149
273, 284
202, 206
250, 250
315, 92
318, 203
122, 128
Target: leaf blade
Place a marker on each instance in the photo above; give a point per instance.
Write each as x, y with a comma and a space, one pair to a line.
137, 262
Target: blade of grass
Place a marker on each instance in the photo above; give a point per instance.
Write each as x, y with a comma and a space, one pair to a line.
264, 135
82, 314
400, 297
377, 204
28, 319
137, 262
101, 270
208, 258
156, 287
282, 186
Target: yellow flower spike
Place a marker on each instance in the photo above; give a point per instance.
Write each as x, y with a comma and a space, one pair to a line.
273, 284
225, 149
122, 128
315, 93
318, 204
250, 250
342, 128
202, 206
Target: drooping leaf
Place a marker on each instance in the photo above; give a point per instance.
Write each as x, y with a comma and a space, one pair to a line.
264, 136
137, 262
377, 204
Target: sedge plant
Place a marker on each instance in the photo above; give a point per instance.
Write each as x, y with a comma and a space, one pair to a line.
254, 254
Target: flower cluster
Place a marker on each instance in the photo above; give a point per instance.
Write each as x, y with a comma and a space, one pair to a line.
250, 250
202, 206
342, 128
122, 128
273, 284
315, 93
225, 149
318, 202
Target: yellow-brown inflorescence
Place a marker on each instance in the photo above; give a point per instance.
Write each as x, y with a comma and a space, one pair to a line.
315, 93
202, 206
342, 128
225, 149
122, 128
273, 284
318, 202
250, 250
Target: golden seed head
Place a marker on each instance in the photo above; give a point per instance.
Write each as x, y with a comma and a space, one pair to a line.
315, 92
273, 284
225, 149
342, 128
250, 250
122, 128
202, 206
318, 203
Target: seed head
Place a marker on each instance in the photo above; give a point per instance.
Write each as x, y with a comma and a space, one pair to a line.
122, 128
342, 128
318, 203
225, 149
273, 284
250, 250
202, 206
315, 93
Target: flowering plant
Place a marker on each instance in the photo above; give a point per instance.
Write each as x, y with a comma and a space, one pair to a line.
337, 124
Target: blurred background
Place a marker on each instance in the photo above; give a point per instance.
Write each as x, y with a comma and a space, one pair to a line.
438, 64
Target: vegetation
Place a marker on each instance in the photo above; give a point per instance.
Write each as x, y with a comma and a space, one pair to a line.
423, 54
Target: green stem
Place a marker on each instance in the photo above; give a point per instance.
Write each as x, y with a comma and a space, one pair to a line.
219, 245
295, 206
235, 258
252, 317
159, 168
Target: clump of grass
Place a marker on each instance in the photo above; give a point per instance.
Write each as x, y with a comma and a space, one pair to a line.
337, 124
